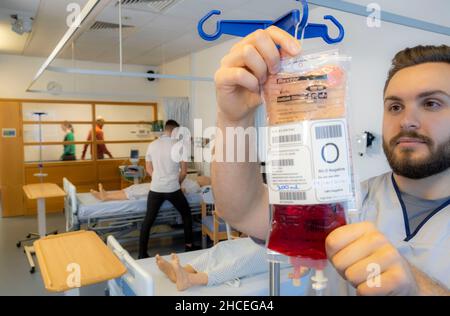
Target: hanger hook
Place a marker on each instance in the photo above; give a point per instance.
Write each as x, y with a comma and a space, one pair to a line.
339, 38
209, 37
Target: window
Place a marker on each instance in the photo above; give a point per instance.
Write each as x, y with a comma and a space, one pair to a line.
126, 127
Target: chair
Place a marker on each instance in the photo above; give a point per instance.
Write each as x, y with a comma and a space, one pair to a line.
214, 227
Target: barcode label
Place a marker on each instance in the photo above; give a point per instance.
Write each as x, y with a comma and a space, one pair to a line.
283, 163
287, 138
332, 131
289, 196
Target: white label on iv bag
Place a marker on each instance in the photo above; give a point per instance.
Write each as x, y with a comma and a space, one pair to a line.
308, 162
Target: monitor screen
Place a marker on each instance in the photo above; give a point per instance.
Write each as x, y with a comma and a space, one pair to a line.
134, 154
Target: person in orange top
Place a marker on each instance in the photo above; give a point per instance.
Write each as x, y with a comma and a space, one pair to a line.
101, 148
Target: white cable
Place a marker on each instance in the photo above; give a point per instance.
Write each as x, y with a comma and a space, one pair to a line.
120, 36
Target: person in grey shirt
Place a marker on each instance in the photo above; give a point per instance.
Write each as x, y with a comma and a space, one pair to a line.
416, 131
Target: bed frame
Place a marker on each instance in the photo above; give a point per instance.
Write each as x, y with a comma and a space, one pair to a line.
120, 226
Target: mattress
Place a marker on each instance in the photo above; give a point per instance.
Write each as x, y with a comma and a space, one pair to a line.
90, 207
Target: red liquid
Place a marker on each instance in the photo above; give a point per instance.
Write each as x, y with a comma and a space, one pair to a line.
301, 230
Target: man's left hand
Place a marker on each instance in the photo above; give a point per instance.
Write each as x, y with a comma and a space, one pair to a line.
364, 257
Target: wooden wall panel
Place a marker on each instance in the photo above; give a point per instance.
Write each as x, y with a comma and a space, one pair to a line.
11, 160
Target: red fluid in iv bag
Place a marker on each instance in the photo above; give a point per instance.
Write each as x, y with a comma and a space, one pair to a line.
301, 230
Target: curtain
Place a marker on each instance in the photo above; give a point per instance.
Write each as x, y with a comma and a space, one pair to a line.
177, 109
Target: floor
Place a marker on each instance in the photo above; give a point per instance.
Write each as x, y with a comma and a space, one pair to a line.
15, 278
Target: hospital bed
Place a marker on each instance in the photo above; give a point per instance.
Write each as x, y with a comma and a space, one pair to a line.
143, 278
120, 218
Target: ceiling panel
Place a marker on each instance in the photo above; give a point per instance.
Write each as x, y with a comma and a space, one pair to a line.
49, 27
11, 42
20, 5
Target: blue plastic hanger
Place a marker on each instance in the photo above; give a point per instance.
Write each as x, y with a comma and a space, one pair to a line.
288, 22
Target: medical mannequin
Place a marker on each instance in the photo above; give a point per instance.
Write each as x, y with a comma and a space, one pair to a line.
139, 191
227, 261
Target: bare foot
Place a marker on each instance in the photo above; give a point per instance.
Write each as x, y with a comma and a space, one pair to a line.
182, 276
296, 276
100, 194
97, 195
102, 191
166, 268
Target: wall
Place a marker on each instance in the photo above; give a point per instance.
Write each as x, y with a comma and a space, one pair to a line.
174, 88
16, 73
371, 49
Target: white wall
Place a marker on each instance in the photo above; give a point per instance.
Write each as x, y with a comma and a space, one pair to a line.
204, 64
174, 88
372, 50
16, 72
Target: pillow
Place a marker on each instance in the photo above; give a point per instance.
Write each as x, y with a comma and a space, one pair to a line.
189, 186
203, 180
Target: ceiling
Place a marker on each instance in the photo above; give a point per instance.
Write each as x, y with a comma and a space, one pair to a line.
155, 37
158, 37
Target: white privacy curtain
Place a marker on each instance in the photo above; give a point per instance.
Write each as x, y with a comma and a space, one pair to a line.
177, 109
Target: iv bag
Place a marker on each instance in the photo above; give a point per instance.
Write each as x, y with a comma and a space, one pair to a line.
309, 168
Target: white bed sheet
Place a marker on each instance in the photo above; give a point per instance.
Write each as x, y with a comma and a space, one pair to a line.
90, 207
256, 285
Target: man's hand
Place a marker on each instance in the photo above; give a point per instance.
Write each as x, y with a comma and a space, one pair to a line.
246, 67
365, 258
239, 192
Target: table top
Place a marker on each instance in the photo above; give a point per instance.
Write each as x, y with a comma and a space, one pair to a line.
62, 256
43, 190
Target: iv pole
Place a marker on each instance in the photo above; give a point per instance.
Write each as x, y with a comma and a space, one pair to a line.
40, 175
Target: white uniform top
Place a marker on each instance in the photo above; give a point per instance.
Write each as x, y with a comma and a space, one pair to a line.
428, 249
166, 171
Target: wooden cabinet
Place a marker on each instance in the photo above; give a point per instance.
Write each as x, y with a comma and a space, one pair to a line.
11, 160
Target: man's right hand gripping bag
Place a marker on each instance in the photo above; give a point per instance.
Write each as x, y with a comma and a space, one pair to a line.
309, 167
